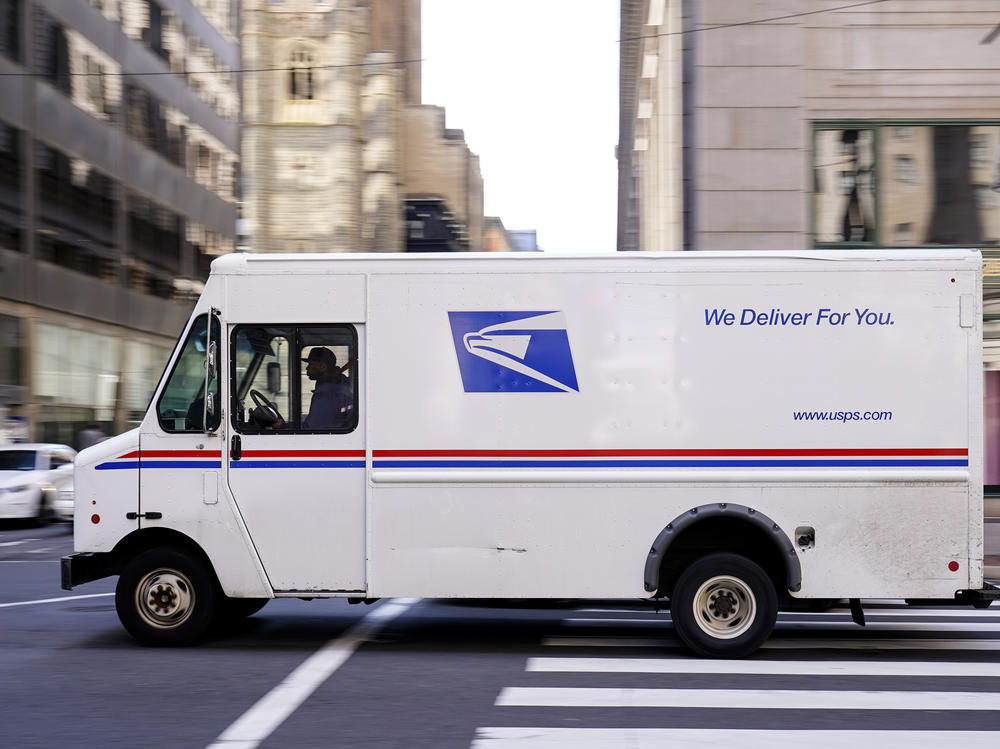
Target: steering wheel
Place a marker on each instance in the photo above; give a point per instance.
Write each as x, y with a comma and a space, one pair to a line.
265, 408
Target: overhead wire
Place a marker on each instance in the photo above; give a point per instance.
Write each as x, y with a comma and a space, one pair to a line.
223, 71
231, 71
755, 22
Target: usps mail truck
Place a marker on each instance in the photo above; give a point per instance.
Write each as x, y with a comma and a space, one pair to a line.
737, 433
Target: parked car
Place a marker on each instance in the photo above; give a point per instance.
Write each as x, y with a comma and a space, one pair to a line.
31, 477
65, 501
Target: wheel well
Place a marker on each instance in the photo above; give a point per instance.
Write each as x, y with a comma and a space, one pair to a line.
150, 538
729, 528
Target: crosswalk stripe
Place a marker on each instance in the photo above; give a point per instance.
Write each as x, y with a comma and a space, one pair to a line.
747, 699
877, 626
983, 614
990, 614
794, 668
698, 738
783, 644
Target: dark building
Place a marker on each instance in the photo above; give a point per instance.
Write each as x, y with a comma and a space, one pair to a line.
432, 227
119, 142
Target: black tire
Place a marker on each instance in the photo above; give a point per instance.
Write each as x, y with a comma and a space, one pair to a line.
166, 597
235, 609
723, 606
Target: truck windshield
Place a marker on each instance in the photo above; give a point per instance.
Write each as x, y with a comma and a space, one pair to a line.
182, 404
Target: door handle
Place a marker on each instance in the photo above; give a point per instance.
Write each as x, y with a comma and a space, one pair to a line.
236, 449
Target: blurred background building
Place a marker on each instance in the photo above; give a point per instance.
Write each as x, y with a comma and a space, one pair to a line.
767, 125
340, 155
121, 130
501, 239
119, 144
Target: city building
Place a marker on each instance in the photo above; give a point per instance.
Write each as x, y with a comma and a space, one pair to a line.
841, 125
339, 154
119, 124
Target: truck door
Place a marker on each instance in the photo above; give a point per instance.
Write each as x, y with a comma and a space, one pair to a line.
179, 460
296, 458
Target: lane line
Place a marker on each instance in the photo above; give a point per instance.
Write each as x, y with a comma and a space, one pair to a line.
54, 600
746, 699
779, 644
271, 710
784, 668
700, 738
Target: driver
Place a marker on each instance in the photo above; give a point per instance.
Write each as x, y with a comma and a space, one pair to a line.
332, 399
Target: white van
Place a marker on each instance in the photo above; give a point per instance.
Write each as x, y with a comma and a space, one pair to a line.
737, 432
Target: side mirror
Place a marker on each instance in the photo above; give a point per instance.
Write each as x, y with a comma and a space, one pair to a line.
212, 363
274, 377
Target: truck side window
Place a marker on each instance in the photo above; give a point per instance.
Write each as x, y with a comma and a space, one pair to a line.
293, 379
328, 379
261, 367
182, 404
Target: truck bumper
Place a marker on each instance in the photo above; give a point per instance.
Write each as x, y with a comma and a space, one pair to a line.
84, 567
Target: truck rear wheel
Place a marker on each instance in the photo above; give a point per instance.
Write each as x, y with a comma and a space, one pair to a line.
166, 597
723, 606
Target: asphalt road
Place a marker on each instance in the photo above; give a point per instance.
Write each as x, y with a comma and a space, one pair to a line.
428, 673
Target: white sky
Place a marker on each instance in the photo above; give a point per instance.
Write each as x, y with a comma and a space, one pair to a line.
534, 85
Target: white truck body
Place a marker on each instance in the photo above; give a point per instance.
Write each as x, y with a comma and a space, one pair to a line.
544, 426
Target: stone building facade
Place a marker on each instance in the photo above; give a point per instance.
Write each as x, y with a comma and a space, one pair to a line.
335, 139
828, 125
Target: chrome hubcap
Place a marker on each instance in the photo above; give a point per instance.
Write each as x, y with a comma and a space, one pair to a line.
164, 598
724, 607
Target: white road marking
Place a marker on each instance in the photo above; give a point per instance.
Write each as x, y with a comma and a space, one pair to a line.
793, 668
54, 600
701, 738
16, 543
898, 609
257, 723
985, 614
779, 644
747, 699
876, 626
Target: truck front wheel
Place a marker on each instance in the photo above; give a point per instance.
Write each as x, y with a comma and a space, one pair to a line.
723, 606
166, 597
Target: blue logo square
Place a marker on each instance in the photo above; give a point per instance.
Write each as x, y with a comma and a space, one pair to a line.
513, 352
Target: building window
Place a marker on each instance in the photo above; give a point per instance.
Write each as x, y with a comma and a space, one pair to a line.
905, 169
844, 201
300, 75
76, 368
144, 364
10, 346
10, 15
888, 185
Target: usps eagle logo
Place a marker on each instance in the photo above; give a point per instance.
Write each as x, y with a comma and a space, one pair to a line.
521, 352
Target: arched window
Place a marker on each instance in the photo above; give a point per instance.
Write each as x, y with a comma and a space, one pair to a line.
300, 75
